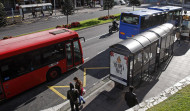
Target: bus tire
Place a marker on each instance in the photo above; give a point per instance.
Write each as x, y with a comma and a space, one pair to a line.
53, 73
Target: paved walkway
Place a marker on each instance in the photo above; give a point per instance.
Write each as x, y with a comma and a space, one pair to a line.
111, 98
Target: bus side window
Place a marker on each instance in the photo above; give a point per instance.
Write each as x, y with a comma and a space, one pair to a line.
49, 54
61, 50
37, 60
7, 71
22, 64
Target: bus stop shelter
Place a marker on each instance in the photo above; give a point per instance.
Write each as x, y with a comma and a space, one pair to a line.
142, 54
34, 6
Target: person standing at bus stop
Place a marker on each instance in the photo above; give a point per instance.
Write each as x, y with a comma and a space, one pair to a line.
79, 87
73, 95
130, 97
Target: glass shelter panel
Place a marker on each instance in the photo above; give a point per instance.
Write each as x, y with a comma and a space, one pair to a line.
137, 63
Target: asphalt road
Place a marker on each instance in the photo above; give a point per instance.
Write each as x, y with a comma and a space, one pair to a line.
54, 21
96, 54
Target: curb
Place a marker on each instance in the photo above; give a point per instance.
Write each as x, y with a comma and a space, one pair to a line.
162, 96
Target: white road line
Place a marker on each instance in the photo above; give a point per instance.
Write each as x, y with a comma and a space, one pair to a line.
86, 58
100, 52
93, 38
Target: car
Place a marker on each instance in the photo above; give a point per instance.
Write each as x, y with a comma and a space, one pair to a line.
122, 2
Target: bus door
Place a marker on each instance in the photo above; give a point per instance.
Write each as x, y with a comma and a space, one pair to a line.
2, 96
77, 52
69, 55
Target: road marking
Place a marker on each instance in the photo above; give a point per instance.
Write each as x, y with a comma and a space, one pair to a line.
85, 69
57, 92
84, 82
93, 38
59, 106
84, 79
86, 58
100, 52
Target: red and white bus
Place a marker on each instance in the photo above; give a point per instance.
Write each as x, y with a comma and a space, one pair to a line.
32, 59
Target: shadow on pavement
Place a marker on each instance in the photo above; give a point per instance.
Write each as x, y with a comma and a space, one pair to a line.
30, 95
100, 60
107, 35
182, 48
113, 100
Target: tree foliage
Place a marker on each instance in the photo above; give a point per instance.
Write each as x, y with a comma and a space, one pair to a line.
108, 4
135, 2
2, 15
68, 7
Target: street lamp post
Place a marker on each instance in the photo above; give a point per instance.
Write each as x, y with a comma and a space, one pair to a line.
54, 7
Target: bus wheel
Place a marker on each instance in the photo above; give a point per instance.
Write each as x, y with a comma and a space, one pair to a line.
53, 74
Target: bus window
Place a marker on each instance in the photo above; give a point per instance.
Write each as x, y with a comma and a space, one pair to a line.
147, 22
50, 54
144, 23
60, 50
20, 65
7, 71
36, 61
130, 19
77, 52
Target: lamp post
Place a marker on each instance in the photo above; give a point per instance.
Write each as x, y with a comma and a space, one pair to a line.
54, 7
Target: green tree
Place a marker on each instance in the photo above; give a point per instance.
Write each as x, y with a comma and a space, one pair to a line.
2, 15
134, 3
68, 8
108, 4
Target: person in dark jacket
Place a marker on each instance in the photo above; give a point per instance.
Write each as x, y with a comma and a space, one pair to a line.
72, 95
130, 98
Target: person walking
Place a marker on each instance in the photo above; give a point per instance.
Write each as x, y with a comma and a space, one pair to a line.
130, 97
79, 87
72, 96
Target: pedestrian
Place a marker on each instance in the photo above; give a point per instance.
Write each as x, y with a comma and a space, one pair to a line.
79, 87
130, 97
73, 95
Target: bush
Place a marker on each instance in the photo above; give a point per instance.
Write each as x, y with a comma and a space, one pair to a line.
58, 26
72, 25
75, 24
107, 17
2, 15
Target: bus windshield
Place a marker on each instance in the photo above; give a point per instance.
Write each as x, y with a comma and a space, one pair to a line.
130, 19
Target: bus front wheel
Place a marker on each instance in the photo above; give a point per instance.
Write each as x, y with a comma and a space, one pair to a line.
53, 73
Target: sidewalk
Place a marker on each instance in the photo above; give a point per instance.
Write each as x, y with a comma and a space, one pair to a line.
109, 97
29, 18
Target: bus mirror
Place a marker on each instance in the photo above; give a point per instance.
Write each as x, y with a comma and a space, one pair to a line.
82, 38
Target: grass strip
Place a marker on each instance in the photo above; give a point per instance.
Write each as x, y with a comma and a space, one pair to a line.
84, 24
180, 101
